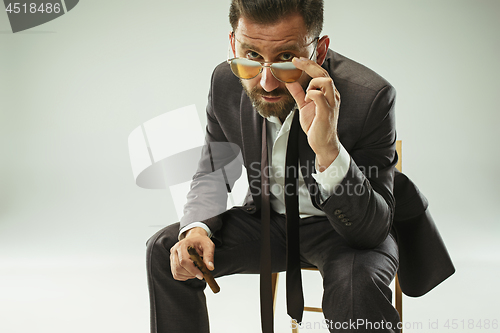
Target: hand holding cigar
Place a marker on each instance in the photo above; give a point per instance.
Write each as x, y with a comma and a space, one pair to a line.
207, 275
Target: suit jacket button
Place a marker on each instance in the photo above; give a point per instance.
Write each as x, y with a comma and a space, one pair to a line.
345, 220
341, 216
348, 224
249, 208
337, 212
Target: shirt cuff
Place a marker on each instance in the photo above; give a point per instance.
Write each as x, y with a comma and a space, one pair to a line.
194, 225
333, 175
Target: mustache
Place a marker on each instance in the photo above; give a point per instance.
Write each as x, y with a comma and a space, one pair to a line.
275, 93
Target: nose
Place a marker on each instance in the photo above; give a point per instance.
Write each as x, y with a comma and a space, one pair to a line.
267, 80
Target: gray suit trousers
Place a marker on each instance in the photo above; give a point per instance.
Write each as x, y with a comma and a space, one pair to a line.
356, 298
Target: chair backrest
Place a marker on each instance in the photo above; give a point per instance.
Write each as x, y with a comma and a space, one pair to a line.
398, 293
399, 147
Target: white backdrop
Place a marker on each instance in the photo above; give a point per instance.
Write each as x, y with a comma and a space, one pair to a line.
73, 224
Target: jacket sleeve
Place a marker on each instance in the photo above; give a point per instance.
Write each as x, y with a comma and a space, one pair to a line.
219, 167
362, 206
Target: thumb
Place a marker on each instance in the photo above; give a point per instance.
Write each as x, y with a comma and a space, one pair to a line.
297, 93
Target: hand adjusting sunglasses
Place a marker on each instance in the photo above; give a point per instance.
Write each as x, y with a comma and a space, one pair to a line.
286, 72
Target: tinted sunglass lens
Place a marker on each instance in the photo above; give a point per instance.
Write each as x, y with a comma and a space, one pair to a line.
245, 69
286, 72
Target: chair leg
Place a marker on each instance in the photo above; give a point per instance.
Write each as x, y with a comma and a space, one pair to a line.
274, 281
399, 300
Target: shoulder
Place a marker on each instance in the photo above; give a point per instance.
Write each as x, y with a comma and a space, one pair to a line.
224, 79
225, 88
351, 77
367, 100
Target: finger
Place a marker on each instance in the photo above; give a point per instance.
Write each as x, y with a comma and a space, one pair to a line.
208, 255
187, 264
178, 272
312, 68
297, 93
321, 103
326, 86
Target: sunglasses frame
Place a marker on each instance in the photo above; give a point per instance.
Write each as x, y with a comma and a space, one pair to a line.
269, 65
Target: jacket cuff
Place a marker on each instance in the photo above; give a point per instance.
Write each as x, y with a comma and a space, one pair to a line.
182, 232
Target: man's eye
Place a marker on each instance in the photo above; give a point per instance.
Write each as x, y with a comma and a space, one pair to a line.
286, 57
253, 55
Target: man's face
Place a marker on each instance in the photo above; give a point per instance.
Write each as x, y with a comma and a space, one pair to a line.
272, 43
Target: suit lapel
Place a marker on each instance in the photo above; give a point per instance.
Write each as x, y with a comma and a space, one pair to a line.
251, 130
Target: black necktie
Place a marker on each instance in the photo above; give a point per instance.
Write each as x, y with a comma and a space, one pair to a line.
294, 295
266, 302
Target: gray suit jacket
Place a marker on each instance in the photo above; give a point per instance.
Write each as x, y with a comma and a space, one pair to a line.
372, 198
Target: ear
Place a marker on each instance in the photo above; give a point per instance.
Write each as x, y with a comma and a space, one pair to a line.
232, 42
322, 49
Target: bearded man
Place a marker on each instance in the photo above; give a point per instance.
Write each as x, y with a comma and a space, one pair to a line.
317, 136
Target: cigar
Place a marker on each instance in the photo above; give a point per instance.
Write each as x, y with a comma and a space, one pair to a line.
207, 275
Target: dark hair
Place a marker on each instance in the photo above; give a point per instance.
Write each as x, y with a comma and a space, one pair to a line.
272, 11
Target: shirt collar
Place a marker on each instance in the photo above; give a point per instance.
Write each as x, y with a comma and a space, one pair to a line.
288, 120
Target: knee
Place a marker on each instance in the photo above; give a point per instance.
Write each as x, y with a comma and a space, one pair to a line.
365, 280
358, 278
160, 243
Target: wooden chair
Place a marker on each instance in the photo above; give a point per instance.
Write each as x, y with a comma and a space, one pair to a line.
398, 294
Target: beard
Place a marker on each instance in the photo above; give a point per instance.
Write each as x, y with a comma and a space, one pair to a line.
279, 109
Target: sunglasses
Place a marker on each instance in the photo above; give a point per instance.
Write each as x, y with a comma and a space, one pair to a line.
286, 72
